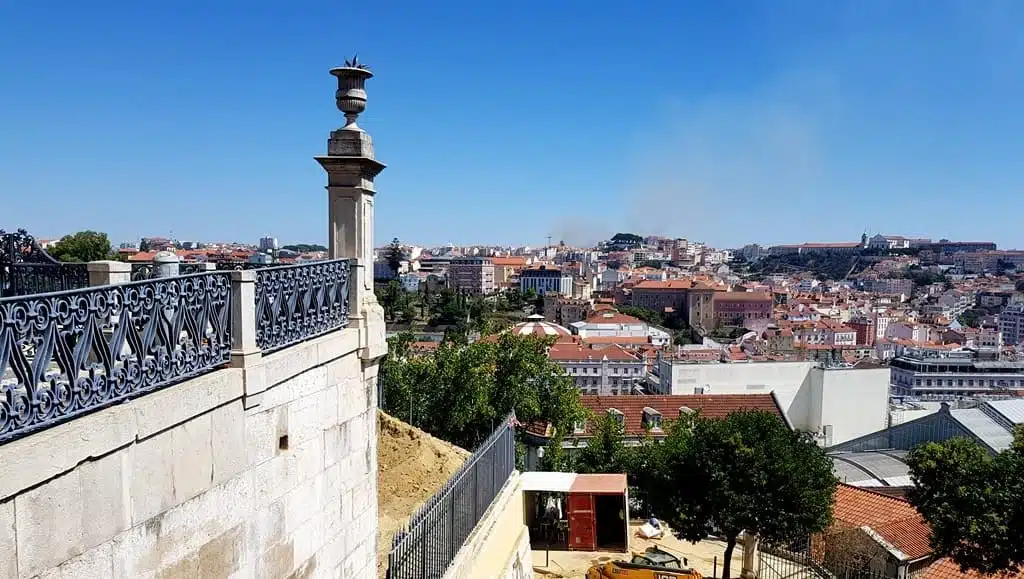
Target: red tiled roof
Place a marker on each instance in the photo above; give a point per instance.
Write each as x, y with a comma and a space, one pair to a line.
612, 317
709, 405
567, 352
895, 520
669, 284
946, 568
627, 340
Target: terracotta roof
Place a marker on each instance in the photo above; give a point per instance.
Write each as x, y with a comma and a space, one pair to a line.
946, 568
565, 352
513, 261
627, 340
669, 284
536, 326
895, 520
709, 405
612, 317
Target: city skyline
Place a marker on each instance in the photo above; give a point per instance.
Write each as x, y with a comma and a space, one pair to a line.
736, 122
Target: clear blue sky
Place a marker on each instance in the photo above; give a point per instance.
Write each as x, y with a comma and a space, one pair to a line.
728, 121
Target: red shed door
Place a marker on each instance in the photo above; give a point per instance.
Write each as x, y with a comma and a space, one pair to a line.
581, 522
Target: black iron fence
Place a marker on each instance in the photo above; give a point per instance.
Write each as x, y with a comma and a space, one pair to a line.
436, 532
298, 302
22, 279
143, 271
68, 353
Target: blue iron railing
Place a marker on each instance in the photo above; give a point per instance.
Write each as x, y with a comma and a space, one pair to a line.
68, 353
436, 532
298, 302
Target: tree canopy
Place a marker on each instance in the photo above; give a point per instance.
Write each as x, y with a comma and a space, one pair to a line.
746, 472
973, 501
460, 391
304, 247
82, 246
394, 255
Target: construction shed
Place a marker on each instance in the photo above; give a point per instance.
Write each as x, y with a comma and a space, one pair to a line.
576, 512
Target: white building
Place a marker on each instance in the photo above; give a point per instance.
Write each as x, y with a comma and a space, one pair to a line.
945, 374
836, 404
1011, 324
544, 279
606, 371
610, 324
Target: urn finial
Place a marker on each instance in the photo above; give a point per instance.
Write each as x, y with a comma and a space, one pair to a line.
351, 93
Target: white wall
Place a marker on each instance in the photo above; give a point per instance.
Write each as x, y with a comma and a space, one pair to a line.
854, 402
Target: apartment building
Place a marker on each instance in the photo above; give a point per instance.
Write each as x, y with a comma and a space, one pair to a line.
472, 275
544, 279
1011, 324
930, 373
742, 308
606, 371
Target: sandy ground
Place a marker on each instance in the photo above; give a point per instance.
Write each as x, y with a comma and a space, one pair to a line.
411, 466
574, 564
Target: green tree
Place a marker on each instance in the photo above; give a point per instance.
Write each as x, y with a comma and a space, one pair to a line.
748, 473
394, 255
1019, 285
304, 247
647, 315
605, 450
82, 246
460, 391
971, 318
973, 502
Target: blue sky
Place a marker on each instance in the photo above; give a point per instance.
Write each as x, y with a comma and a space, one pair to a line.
728, 121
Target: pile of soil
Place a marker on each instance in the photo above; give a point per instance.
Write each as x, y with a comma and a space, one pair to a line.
411, 466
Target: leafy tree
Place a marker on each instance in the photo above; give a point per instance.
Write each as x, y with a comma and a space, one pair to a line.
1020, 285
748, 473
605, 450
974, 502
971, 318
460, 391
394, 255
305, 247
645, 314
82, 246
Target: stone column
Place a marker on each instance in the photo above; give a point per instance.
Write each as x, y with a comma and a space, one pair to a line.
351, 168
165, 264
749, 570
109, 272
245, 352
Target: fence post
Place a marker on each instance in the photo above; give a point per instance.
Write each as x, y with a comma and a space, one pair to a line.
245, 352
108, 272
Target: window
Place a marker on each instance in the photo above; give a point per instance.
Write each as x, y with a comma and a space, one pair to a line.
927, 382
652, 419
617, 416
579, 426
615, 370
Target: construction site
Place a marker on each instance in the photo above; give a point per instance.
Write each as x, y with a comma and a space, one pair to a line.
413, 465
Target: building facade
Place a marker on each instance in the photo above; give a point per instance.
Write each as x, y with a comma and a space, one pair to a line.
544, 279
742, 308
1011, 324
941, 374
472, 275
605, 371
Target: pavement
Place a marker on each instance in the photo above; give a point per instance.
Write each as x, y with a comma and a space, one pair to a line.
574, 564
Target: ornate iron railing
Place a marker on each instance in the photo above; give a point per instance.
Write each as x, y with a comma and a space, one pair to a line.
240, 265
428, 544
25, 268
298, 302
68, 353
143, 271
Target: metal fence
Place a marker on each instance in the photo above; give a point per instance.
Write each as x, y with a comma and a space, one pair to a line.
25, 268
800, 561
298, 302
436, 532
68, 353
143, 271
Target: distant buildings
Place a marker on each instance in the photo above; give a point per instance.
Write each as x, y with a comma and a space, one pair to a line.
544, 279
1011, 324
472, 275
745, 309
922, 372
604, 370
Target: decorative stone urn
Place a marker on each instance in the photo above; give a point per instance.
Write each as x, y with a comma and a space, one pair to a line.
351, 93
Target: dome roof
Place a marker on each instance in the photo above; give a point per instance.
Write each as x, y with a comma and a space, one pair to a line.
536, 326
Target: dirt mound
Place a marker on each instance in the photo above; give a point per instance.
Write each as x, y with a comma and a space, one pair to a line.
411, 466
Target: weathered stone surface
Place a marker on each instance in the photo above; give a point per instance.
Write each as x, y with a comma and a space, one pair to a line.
166, 408
48, 522
296, 387
106, 497
228, 441
8, 541
152, 488
31, 460
192, 454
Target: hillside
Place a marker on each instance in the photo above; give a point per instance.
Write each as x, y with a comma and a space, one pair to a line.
411, 466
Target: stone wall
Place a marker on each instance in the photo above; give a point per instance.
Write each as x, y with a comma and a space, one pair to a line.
499, 546
200, 480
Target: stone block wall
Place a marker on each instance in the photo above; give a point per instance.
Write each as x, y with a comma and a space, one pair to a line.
199, 480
